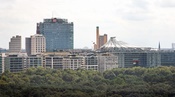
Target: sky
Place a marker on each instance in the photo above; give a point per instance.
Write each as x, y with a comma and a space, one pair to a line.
142, 23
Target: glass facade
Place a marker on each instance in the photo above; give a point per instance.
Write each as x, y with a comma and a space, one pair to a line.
168, 58
58, 34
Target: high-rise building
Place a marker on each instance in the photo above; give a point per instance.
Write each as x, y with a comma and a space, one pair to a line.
58, 33
15, 44
100, 39
36, 44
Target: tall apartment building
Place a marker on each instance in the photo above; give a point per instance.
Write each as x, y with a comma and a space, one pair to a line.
58, 32
100, 39
15, 44
36, 44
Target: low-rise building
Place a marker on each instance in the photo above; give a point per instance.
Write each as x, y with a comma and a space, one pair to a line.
34, 61
16, 62
107, 61
72, 62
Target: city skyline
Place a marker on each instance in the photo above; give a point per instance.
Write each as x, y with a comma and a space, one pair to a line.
137, 22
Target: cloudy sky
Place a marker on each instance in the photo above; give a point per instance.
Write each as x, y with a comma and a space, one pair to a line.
137, 22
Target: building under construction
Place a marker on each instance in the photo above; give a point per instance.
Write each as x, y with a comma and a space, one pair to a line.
130, 56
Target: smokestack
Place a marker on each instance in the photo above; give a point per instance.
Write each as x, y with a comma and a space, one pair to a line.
97, 37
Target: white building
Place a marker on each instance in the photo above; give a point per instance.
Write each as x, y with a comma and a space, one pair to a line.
36, 44
72, 62
107, 62
15, 44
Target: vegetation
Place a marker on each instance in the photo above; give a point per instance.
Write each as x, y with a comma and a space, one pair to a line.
119, 82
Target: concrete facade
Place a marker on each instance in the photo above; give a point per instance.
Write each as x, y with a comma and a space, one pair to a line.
15, 44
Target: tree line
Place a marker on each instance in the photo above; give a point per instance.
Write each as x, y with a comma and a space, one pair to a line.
118, 82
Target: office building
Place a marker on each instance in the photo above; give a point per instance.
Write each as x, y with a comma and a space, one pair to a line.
90, 62
34, 61
167, 58
54, 60
130, 56
59, 34
16, 62
72, 62
36, 44
15, 44
107, 61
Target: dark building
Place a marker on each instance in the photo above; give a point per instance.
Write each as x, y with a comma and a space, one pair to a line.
58, 32
167, 58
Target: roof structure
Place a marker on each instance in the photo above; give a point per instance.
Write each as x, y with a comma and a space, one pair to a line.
117, 44
113, 44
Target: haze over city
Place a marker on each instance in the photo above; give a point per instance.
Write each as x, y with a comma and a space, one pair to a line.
137, 22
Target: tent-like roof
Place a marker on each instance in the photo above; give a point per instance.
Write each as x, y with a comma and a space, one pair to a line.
120, 45
113, 43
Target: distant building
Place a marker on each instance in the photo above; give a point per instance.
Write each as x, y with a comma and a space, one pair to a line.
3, 50
36, 44
100, 39
173, 46
131, 56
167, 58
2, 63
58, 32
107, 61
15, 62
53, 62
90, 62
34, 61
72, 62
15, 44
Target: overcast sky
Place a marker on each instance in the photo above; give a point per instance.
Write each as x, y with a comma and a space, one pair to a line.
136, 22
